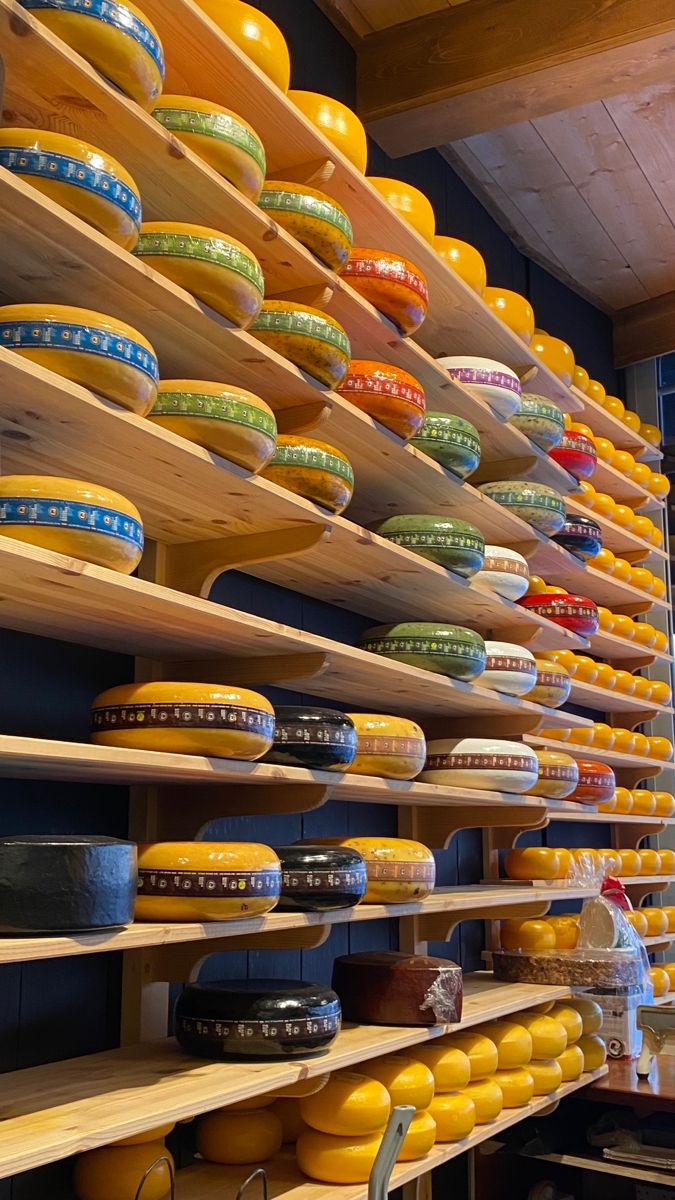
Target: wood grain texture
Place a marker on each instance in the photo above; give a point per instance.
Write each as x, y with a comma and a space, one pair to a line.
645, 330
621, 1085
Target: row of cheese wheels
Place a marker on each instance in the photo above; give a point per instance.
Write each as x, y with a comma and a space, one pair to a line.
548, 862
604, 505
561, 932
626, 464
619, 568
624, 741
336, 1121
604, 675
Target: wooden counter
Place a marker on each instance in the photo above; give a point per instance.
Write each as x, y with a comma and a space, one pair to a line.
622, 1086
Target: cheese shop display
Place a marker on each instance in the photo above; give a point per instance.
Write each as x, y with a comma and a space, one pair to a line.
541, 506
116, 38
397, 869
206, 881
184, 718
513, 309
454, 1114
576, 613
487, 1098
388, 394
312, 217
464, 260
540, 419
392, 284
312, 469
222, 138
509, 668
69, 516
596, 782
232, 1138
320, 878
546, 1076
321, 739
558, 775
451, 441
454, 544
490, 763
336, 122
58, 883
116, 1172
83, 179
505, 572
409, 202
311, 339
553, 684
390, 987
350, 1103
556, 354
581, 536
254, 33
87, 347
516, 1086
212, 266
256, 1018
392, 747
576, 453
413, 1080
226, 420
493, 381
450, 650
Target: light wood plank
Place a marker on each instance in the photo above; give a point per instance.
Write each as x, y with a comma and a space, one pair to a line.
645, 119
380, 14
603, 700
625, 653
645, 330
605, 424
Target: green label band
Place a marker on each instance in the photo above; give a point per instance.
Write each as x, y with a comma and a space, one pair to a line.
418, 646
307, 206
454, 541
538, 501
216, 125
212, 250
311, 457
219, 408
303, 324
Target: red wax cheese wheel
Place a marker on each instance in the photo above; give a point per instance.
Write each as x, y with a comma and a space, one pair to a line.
388, 394
596, 784
393, 988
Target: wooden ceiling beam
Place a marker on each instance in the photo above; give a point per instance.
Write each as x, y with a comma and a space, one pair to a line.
644, 330
482, 66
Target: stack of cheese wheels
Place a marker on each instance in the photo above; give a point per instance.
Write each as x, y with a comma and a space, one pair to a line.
482, 1090
571, 1060
514, 1053
227, 420
311, 339
388, 394
392, 284
224, 140
237, 1135
549, 1041
398, 869
116, 1172
452, 1110
312, 469
315, 219
391, 747
206, 881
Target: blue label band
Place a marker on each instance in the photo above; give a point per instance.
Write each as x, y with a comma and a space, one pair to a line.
67, 514
109, 13
64, 169
65, 335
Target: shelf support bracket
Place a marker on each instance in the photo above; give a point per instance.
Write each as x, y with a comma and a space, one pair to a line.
193, 567
301, 417
436, 827
181, 964
264, 668
183, 812
417, 932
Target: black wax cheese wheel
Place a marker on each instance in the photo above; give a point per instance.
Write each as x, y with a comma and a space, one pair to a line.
61, 884
256, 1018
316, 738
317, 878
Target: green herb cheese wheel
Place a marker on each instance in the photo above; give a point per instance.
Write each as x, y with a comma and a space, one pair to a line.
451, 441
312, 469
311, 339
449, 650
448, 541
317, 221
226, 420
224, 140
539, 505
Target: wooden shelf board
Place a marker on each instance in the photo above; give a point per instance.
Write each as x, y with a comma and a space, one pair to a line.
624, 490
606, 700
606, 1166
669, 998
558, 566
622, 542
658, 942
610, 818
604, 424
50, 1112
652, 766
286, 1182
611, 648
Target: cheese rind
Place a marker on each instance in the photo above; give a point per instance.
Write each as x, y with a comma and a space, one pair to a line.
450, 1067
407, 1080
315, 219
387, 393
397, 869
419, 1139
454, 1114
391, 747
222, 138
480, 1050
549, 1036
513, 1042
547, 1075
116, 1172
320, 878
321, 739
206, 881
391, 283
571, 1063
393, 988
594, 1051
517, 1086
308, 337
313, 469
232, 1138
333, 1159
350, 1104
487, 1098
226, 420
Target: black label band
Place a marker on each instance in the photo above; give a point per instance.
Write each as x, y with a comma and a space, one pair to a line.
325, 881
182, 716
213, 884
213, 1030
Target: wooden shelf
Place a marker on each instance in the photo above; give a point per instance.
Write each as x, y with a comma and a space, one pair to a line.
604, 424
652, 824
286, 1181
629, 769
625, 653
622, 542
625, 490
605, 700
53, 1111
607, 1166
558, 566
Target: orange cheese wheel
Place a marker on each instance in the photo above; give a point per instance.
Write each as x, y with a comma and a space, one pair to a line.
387, 393
532, 862
532, 934
116, 1172
234, 1138
397, 869
409, 202
565, 930
454, 1114
206, 881
332, 1159
407, 1080
660, 981
629, 862
256, 34
657, 921
650, 861
669, 910
513, 1042
391, 284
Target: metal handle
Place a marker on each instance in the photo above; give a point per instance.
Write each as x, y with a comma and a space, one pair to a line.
259, 1173
162, 1158
397, 1127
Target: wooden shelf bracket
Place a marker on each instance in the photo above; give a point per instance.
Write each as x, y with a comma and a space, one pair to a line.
193, 567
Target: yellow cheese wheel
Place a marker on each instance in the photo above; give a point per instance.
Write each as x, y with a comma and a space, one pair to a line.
409, 202
487, 1097
254, 33
638, 920
571, 1063
311, 339
397, 869
669, 969
408, 1080
81, 520
391, 747
594, 1051
315, 219
83, 179
566, 931
532, 934
463, 258
216, 268
669, 910
450, 1067
232, 1138
454, 1114
517, 1086
657, 921
224, 140
570, 1017
480, 1050
532, 862
547, 1076
660, 980
665, 804
590, 1013
312, 469
549, 1037
184, 718
292, 1124
333, 1159
419, 1139
147, 1135
116, 1172
650, 861
87, 347
349, 1104
302, 1087
227, 420
513, 1042
206, 881
335, 121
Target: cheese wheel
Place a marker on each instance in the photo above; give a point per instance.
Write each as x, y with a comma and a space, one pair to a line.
301, 1087
451, 650
509, 668
82, 520
650, 861
540, 419
532, 862
506, 572
513, 1042
206, 881
459, 547
547, 1076
222, 138
553, 684
464, 259
116, 1172
665, 804
407, 1080
333, 1159
487, 1098
594, 1051
311, 339
409, 202
60, 883
320, 878
669, 969
571, 1018
87, 347
349, 1104
493, 382
116, 38
667, 857
558, 774
566, 931
660, 980
254, 33
590, 1012
454, 1114
387, 393
530, 934
549, 1037
232, 1138
83, 179
474, 762
335, 121
147, 1135
313, 218
419, 1139
184, 718
391, 747
214, 267
391, 284
256, 1018
227, 420
517, 1086
657, 921
321, 739
629, 862
544, 509
450, 1067
393, 988
596, 784
480, 1050
571, 1063
669, 910
312, 469
287, 1109
398, 869
455, 444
